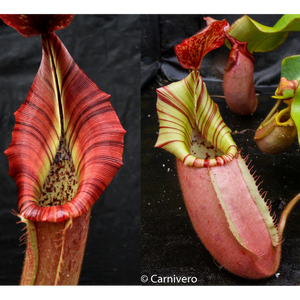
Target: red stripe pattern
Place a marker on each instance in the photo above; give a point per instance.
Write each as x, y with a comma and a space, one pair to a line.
183, 106
63, 103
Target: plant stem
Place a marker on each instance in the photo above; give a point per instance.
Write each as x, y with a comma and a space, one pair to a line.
286, 212
272, 112
55, 251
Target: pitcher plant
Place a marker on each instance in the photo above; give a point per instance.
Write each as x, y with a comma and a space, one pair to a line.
281, 127
66, 147
244, 37
228, 211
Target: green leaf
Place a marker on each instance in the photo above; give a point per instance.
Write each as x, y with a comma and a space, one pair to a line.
295, 110
262, 38
286, 94
290, 68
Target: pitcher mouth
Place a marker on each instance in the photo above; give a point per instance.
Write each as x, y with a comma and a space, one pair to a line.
64, 106
186, 112
205, 154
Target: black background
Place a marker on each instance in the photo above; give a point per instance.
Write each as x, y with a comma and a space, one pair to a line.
160, 33
169, 244
107, 49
